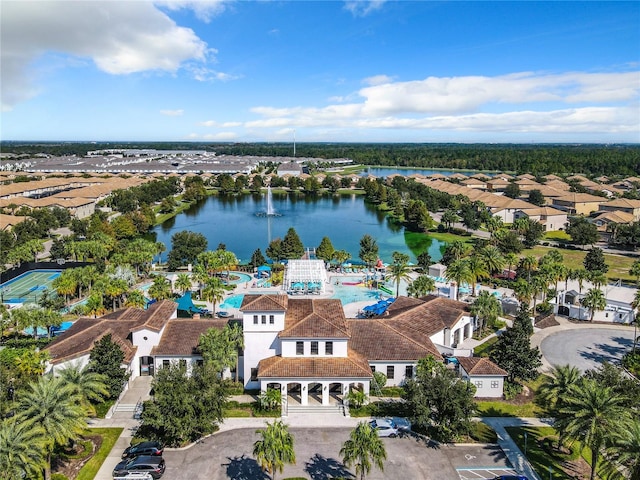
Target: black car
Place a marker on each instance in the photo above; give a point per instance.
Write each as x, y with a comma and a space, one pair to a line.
153, 465
143, 448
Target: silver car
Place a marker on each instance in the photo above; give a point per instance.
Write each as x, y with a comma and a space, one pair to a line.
384, 427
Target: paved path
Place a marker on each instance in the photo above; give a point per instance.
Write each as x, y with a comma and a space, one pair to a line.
509, 447
582, 344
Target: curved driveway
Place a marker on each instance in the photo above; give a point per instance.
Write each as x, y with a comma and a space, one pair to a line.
587, 348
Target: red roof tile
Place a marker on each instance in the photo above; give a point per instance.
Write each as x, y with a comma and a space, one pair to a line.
264, 303
315, 367
182, 336
481, 366
315, 318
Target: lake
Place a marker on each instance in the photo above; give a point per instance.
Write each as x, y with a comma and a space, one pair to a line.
234, 221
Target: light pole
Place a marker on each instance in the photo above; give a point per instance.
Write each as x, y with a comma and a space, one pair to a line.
525, 444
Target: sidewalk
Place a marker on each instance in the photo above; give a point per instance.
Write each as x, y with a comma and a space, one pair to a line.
509, 447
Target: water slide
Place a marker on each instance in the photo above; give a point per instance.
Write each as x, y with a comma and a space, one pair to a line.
386, 290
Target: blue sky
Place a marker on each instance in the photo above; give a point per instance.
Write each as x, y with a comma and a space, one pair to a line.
335, 71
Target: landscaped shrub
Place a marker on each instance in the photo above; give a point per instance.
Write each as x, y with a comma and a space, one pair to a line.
511, 390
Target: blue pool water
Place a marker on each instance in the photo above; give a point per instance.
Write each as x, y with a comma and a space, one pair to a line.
239, 277
352, 293
234, 301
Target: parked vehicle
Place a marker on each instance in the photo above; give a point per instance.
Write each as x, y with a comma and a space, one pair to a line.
510, 477
153, 465
384, 427
401, 423
143, 448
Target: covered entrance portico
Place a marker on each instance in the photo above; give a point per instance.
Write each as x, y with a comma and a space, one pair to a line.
310, 392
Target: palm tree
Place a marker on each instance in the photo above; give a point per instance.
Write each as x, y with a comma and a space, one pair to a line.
213, 291
341, 256
529, 263
449, 217
458, 272
94, 305
511, 259
22, 449
400, 269
135, 298
598, 279
161, 288
421, 286
487, 309
235, 336
89, 386
523, 291
183, 282
200, 275
54, 406
363, 447
624, 454
65, 285
478, 270
275, 448
591, 414
594, 300
492, 258
555, 389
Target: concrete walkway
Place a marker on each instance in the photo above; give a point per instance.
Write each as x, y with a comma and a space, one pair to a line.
509, 447
540, 334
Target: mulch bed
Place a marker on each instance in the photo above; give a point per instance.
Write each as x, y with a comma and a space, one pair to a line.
70, 467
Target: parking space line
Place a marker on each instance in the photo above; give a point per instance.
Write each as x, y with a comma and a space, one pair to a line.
482, 473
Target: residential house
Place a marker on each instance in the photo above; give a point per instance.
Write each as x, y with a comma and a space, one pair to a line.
290, 168
578, 203
551, 218
485, 375
618, 307
623, 205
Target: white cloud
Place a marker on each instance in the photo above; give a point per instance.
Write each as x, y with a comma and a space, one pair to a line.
204, 10
119, 37
362, 8
213, 123
172, 113
377, 80
222, 136
602, 103
204, 74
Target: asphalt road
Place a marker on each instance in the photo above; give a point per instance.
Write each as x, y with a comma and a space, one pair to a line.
228, 456
587, 348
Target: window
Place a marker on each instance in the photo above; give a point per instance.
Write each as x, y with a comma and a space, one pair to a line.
200, 362
299, 348
373, 368
478, 384
495, 384
272, 319
314, 348
263, 318
254, 374
165, 363
255, 319
390, 371
328, 348
182, 363
408, 371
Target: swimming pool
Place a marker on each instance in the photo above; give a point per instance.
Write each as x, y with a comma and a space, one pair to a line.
352, 293
234, 301
239, 277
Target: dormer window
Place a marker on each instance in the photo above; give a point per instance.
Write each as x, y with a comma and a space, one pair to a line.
314, 348
328, 348
299, 348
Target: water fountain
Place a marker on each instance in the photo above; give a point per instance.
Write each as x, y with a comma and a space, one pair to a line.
270, 212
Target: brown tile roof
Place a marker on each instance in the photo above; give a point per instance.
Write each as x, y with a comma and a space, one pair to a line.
317, 367
80, 338
264, 303
181, 337
622, 203
480, 366
429, 316
379, 340
315, 318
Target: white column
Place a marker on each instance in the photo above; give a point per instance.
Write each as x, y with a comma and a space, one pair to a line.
263, 386
304, 399
325, 393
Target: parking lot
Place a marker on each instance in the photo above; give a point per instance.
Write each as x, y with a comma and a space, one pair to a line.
228, 455
483, 473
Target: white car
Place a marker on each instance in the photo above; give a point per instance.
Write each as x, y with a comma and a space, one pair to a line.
384, 427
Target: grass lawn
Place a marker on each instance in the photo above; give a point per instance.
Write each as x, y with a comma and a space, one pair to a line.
482, 350
619, 265
109, 437
449, 237
558, 235
505, 408
542, 456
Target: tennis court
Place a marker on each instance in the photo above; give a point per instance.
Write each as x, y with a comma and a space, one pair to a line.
28, 287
